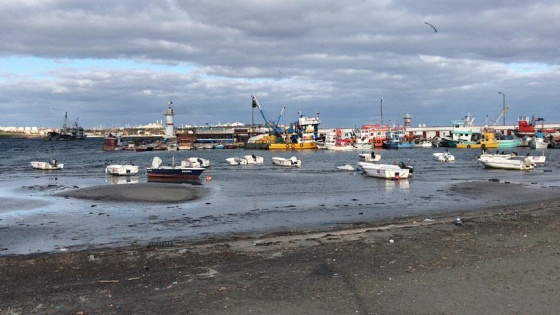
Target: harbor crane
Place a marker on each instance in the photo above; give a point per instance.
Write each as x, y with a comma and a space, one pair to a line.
272, 126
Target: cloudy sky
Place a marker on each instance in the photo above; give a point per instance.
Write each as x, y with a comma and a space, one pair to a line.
117, 63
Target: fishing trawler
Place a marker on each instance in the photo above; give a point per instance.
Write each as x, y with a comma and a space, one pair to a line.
300, 135
74, 132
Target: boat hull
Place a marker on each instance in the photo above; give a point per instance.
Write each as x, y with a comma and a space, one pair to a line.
477, 145
384, 171
393, 145
291, 162
173, 174
508, 144
121, 170
294, 146
443, 157
539, 144
507, 164
47, 166
368, 157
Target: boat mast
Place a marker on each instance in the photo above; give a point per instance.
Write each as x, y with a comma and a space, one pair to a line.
381, 111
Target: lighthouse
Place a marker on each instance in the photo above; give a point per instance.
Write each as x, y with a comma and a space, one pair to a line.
169, 128
407, 119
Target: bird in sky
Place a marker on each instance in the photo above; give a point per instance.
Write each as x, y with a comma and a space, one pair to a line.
431, 26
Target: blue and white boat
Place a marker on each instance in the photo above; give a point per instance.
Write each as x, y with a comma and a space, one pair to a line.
395, 139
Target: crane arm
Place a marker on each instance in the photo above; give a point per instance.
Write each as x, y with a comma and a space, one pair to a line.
279, 116
255, 103
503, 112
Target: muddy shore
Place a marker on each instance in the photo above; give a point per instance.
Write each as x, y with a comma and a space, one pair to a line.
501, 261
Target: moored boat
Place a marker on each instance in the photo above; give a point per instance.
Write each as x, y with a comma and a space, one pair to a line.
463, 130
66, 133
47, 166
371, 135
369, 157
511, 163
292, 162
340, 145
300, 135
386, 171
236, 161
396, 139
121, 169
539, 142
294, 146
443, 156
424, 143
172, 173
487, 141
196, 162
526, 127
535, 159
253, 159
507, 142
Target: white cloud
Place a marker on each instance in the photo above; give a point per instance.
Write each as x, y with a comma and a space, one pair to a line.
107, 61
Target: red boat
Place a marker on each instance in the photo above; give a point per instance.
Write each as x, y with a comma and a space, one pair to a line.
528, 126
374, 134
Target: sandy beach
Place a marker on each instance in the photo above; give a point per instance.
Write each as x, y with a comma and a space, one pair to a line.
504, 260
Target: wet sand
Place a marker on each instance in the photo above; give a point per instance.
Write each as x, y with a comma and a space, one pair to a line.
145, 192
503, 260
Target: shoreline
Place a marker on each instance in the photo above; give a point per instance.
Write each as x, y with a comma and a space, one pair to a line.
500, 260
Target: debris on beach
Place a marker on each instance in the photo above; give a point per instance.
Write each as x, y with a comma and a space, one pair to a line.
458, 221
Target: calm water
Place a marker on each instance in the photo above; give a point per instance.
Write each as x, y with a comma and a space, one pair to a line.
244, 199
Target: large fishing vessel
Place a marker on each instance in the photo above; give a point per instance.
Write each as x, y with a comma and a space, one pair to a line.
300, 135
526, 127
464, 131
74, 132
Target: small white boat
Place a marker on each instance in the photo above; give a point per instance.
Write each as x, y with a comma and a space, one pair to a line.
386, 171
539, 143
536, 159
195, 162
280, 161
245, 160
443, 157
346, 167
121, 169
423, 144
253, 159
369, 157
236, 161
49, 166
511, 163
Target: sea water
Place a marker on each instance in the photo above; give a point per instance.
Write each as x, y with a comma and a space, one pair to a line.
243, 199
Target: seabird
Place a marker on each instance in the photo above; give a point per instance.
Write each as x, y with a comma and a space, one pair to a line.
431, 26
